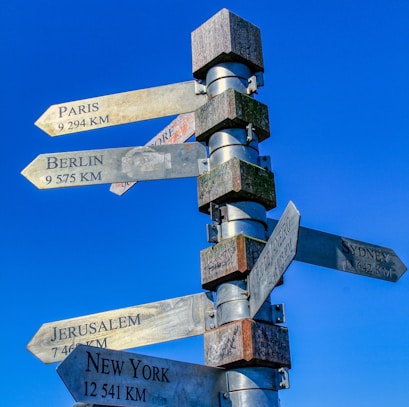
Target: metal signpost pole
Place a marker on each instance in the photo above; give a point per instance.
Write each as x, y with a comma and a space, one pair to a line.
237, 191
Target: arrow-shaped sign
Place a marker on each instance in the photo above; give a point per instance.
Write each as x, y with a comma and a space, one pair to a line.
345, 254
91, 167
120, 108
114, 378
177, 132
125, 328
275, 258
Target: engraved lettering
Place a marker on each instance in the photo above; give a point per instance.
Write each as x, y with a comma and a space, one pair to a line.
71, 162
149, 372
133, 394
79, 109
73, 331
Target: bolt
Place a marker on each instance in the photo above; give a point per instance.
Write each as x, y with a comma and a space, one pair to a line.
226, 395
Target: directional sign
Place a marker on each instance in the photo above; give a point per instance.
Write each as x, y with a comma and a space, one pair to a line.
91, 167
125, 328
345, 254
113, 378
275, 258
120, 108
177, 132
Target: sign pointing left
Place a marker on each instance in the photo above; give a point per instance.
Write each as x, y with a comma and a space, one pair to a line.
114, 378
125, 328
121, 108
92, 167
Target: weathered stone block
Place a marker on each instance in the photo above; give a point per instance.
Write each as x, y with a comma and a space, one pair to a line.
230, 259
231, 109
247, 343
236, 180
226, 37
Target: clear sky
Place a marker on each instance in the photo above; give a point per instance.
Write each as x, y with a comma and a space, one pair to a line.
337, 86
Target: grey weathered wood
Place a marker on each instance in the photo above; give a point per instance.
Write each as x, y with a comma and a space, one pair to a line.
226, 37
236, 180
113, 378
345, 254
177, 132
231, 109
124, 328
93, 167
275, 258
229, 259
120, 108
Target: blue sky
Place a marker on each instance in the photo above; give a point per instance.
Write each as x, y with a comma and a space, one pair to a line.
336, 84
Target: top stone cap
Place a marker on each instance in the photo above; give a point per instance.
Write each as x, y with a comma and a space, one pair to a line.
226, 37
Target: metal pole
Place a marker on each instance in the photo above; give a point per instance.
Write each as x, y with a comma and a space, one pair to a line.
236, 191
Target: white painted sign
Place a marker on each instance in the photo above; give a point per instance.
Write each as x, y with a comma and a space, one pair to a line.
124, 328
120, 108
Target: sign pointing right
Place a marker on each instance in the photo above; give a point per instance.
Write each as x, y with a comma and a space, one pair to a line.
345, 254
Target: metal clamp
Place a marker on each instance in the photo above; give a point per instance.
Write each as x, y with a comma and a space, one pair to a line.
224, 399
200, 88
284, 379
278, 314
213, 233
211, 320
265, 162
255, 82
203, 165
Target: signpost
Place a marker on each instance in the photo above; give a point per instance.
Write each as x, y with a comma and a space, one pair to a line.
227, 52
113, 378
177, 132
92, 167
120, 108
275, 258
345, 254
125, 328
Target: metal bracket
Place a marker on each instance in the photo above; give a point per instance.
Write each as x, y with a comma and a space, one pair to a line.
224, 399
218, 213
203, 165
250, 130
215, 213
210, 320
200, 88
278, 314
283, 379
213, 233
255, 82
265, 162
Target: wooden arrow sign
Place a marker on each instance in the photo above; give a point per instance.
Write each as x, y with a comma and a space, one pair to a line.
125, 328
113, 378
91, 167
345, 254
121, 108
275, 258
177, 132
